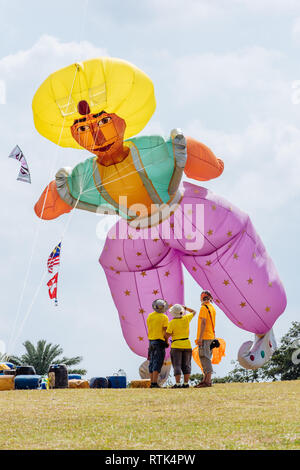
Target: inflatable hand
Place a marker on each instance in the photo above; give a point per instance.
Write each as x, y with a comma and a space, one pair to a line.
202, 164
50, 205
253, 355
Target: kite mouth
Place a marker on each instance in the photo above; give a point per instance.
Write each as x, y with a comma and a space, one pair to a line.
105, 148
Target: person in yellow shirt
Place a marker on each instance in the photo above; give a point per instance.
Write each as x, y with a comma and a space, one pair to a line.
157, 323
181, 349
205, 336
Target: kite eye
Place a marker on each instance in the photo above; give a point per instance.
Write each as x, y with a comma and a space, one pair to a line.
82, 129
103, 121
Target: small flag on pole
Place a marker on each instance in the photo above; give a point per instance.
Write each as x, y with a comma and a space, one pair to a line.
52, 284
54, 262
54, 258
24, 174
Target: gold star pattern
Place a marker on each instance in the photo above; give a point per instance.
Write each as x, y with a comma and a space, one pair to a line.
218, 301
112, 268
167, 274
239, 323
250, 281
214, 208
226, 282
210, 232
230, 245
127, 293
229, 234
155, 292
144, 274
268, 309
208, 263
235, 256
172, 225
118, 272
138, 266
189, 237
156, 240
140, 338
123, 318
142, 311
196, 191
119, 258
181, 282
194, 268
243, 304
139, 253
270, 284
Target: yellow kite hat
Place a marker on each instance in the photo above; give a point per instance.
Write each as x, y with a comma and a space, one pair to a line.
106, 84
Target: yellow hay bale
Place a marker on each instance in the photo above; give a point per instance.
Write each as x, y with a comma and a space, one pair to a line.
145, 383
7, 382
77, 383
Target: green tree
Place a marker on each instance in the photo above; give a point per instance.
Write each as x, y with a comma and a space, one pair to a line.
3, 358
239, 374
43, 355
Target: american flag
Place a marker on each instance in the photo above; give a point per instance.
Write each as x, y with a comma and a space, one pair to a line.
54, 258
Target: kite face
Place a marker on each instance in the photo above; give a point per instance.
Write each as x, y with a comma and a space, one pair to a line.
101, 134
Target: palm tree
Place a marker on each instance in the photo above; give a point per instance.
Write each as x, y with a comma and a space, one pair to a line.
3, 357
43, 355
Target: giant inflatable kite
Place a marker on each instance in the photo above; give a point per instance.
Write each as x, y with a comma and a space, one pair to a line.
101, 105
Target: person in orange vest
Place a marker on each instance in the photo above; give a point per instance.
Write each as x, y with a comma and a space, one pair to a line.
205, 336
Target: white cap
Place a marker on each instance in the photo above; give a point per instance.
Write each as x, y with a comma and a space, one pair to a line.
177, 311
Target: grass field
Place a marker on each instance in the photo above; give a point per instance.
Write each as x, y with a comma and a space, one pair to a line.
226, 416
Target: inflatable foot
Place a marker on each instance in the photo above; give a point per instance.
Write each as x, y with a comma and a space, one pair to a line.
164, 373
253, 355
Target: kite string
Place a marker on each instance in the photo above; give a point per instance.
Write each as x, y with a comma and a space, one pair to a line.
10, 344
26, 316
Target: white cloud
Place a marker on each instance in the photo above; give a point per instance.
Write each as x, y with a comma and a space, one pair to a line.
248, 70
262, 162
45, 56
296, 30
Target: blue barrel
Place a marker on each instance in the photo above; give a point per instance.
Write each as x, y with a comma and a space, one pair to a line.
27, 382
74, 377
117, 381
98, 382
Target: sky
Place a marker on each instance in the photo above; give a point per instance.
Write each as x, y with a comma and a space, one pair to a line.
226, 72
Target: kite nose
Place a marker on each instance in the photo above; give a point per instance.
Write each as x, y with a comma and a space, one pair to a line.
98, 136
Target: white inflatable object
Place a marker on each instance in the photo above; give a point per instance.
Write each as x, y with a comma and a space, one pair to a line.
164, 373
253, 355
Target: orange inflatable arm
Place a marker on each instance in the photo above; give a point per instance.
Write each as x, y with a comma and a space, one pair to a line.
50, 205
202, 164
